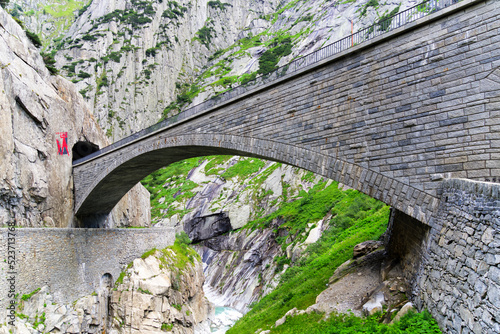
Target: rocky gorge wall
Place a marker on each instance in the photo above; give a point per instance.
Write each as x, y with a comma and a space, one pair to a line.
460, 280
36, 183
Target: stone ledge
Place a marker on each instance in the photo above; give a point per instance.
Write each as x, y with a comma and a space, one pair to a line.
488, 189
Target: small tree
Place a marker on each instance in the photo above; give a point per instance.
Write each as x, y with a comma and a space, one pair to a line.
4, 3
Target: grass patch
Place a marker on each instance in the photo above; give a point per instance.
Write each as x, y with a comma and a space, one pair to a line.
29, 295
243, 168
211, 167
34, 38
348, 323
218, 5
178, 187
356, 218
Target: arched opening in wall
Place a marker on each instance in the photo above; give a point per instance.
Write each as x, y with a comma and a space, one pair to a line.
83, 148
104, 295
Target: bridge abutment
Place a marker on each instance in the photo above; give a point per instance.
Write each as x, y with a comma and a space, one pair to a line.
460, 279
452, 267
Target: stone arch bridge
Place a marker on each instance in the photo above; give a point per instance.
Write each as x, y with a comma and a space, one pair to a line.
390, 117
405, 117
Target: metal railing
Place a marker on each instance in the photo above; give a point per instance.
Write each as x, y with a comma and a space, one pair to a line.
381, 27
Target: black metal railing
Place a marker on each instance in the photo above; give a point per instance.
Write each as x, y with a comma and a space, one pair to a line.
381, 27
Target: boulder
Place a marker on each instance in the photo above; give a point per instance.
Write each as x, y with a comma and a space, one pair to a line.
207, 227
366, 248
405, 309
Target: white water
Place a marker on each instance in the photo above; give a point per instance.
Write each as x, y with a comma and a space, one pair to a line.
224, 317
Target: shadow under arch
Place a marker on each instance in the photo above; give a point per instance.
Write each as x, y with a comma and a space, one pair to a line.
113, 174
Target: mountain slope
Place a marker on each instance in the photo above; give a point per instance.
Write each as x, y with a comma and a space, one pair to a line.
136, 62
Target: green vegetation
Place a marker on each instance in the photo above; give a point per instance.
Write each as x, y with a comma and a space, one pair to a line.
34, 38
356, 218
84, 75
182, 238
167, 327
218, 5
177, 257
29, 295
147, 292
370, 3
211, 167
4, 3
204, 35
129, 16
39, 321
84, 8
280, 47
175, 11
102, 81
179, 188
246, 78
348, 323
385, 20
243, 168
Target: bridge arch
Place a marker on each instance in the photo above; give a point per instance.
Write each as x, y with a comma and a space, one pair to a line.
104, 187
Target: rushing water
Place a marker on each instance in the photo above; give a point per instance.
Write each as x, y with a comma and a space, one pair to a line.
225, 317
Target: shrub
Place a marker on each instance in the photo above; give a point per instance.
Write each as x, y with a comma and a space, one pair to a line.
204, 35
270, 58
218, 5
35, 39
48, 59
83, 75
182, 238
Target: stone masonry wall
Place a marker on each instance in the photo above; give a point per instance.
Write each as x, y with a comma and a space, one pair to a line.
390, 117
72, 261
460, 282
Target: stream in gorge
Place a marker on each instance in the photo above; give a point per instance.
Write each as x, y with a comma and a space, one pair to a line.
224, 317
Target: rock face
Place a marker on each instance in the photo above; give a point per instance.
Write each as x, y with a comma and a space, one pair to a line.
162, 292
241, 198
240, 267
136, 60
35, 180
206, 227
143, 60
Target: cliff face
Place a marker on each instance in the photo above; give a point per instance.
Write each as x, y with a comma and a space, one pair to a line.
127, 57
162, 291
138, 61
35, 180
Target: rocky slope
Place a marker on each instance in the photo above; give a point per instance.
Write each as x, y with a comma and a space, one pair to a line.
35, 181
238, 188
162, 291
138, 61
215, 200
